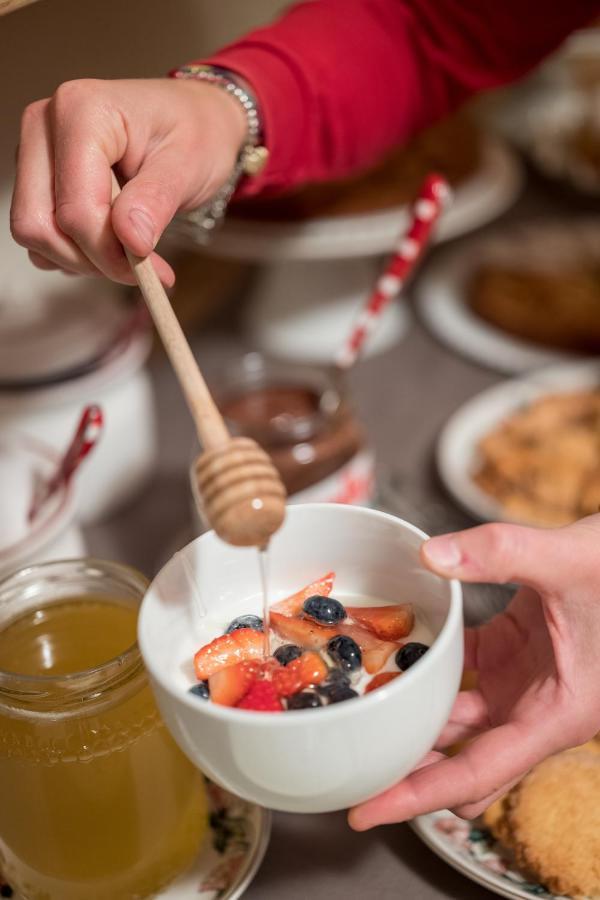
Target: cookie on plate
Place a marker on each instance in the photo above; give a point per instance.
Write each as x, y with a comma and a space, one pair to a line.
551, 821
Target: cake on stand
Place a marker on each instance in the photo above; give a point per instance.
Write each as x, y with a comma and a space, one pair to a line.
320, 249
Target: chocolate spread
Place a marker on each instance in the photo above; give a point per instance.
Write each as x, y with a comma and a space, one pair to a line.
306, 441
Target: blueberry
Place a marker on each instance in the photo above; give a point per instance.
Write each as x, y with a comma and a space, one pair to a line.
304, 700
6, 890
335, 679
287, 653
408, 655
254, 622
324, 610
341, 692
336, 676
345, 652
201, 690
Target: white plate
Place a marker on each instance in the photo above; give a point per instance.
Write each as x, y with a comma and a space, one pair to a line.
472, 851
231, 854
541, 117
456, 451
479, 199
441, 291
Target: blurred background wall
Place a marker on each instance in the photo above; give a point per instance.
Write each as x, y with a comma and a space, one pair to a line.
55, 40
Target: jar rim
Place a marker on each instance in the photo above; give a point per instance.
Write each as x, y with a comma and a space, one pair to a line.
255, 370
112, 671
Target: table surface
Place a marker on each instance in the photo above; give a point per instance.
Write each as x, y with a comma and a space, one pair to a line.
415, 386
403, 397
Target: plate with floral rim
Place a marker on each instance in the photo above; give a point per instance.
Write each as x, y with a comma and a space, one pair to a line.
229, 858
470, 848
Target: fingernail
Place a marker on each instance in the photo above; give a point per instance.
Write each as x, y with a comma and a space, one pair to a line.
144, 226
443, 552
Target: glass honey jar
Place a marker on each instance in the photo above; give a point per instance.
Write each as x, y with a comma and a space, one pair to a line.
97, 801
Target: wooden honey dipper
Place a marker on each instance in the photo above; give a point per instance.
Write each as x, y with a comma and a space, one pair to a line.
242, 494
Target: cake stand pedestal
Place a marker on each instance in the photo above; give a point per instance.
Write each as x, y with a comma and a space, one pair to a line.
321, 271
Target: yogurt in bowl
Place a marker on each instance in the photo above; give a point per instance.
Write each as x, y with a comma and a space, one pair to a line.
314, 760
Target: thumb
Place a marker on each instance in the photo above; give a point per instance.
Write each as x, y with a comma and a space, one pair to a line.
500, 553
148, 202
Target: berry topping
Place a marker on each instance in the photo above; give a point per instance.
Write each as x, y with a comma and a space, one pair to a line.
380, 679
390, 623
324, 610
287, 652
301, 631
312, 667
345, 652
227, 650
336, 678
200, 690
254, 622
304, 700
261, 697
340, 693
308, 669
375, 652
408, 655
292, 606
228, 686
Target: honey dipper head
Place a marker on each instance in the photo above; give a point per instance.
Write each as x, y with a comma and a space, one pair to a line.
242, 495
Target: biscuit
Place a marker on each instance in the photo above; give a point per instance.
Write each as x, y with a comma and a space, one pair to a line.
494, 819
551, 821
542, 464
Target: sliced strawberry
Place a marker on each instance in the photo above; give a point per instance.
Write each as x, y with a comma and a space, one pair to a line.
262, 697
390, 623
292, 606
300, 673
375, 653
375, 659
302, 631
311, 667
379, 680
228, 686
227, 650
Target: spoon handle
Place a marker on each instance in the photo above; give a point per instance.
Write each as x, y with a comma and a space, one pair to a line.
209, 423
83, 441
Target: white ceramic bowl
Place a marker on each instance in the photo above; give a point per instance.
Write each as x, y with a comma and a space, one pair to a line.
310, 760
55, 534
126, 455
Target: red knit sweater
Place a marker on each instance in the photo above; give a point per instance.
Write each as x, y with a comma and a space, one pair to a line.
340, 82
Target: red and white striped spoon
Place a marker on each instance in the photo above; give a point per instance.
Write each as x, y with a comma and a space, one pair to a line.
432, 198
87, 435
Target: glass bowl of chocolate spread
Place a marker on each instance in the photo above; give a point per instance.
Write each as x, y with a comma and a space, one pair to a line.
303, 419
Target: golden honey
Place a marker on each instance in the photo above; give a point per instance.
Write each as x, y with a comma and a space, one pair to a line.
97, 801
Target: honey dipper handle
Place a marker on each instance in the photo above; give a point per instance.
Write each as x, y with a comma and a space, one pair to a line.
210, 426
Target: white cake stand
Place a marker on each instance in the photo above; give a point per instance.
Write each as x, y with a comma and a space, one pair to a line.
319, 272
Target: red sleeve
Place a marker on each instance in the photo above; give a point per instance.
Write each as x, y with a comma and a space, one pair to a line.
340, 82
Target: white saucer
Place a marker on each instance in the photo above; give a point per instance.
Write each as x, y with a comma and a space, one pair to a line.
456, 451
230, 856
442, 303
479, 199
471, 849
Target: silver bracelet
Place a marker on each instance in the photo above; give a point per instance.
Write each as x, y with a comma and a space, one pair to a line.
252, 157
